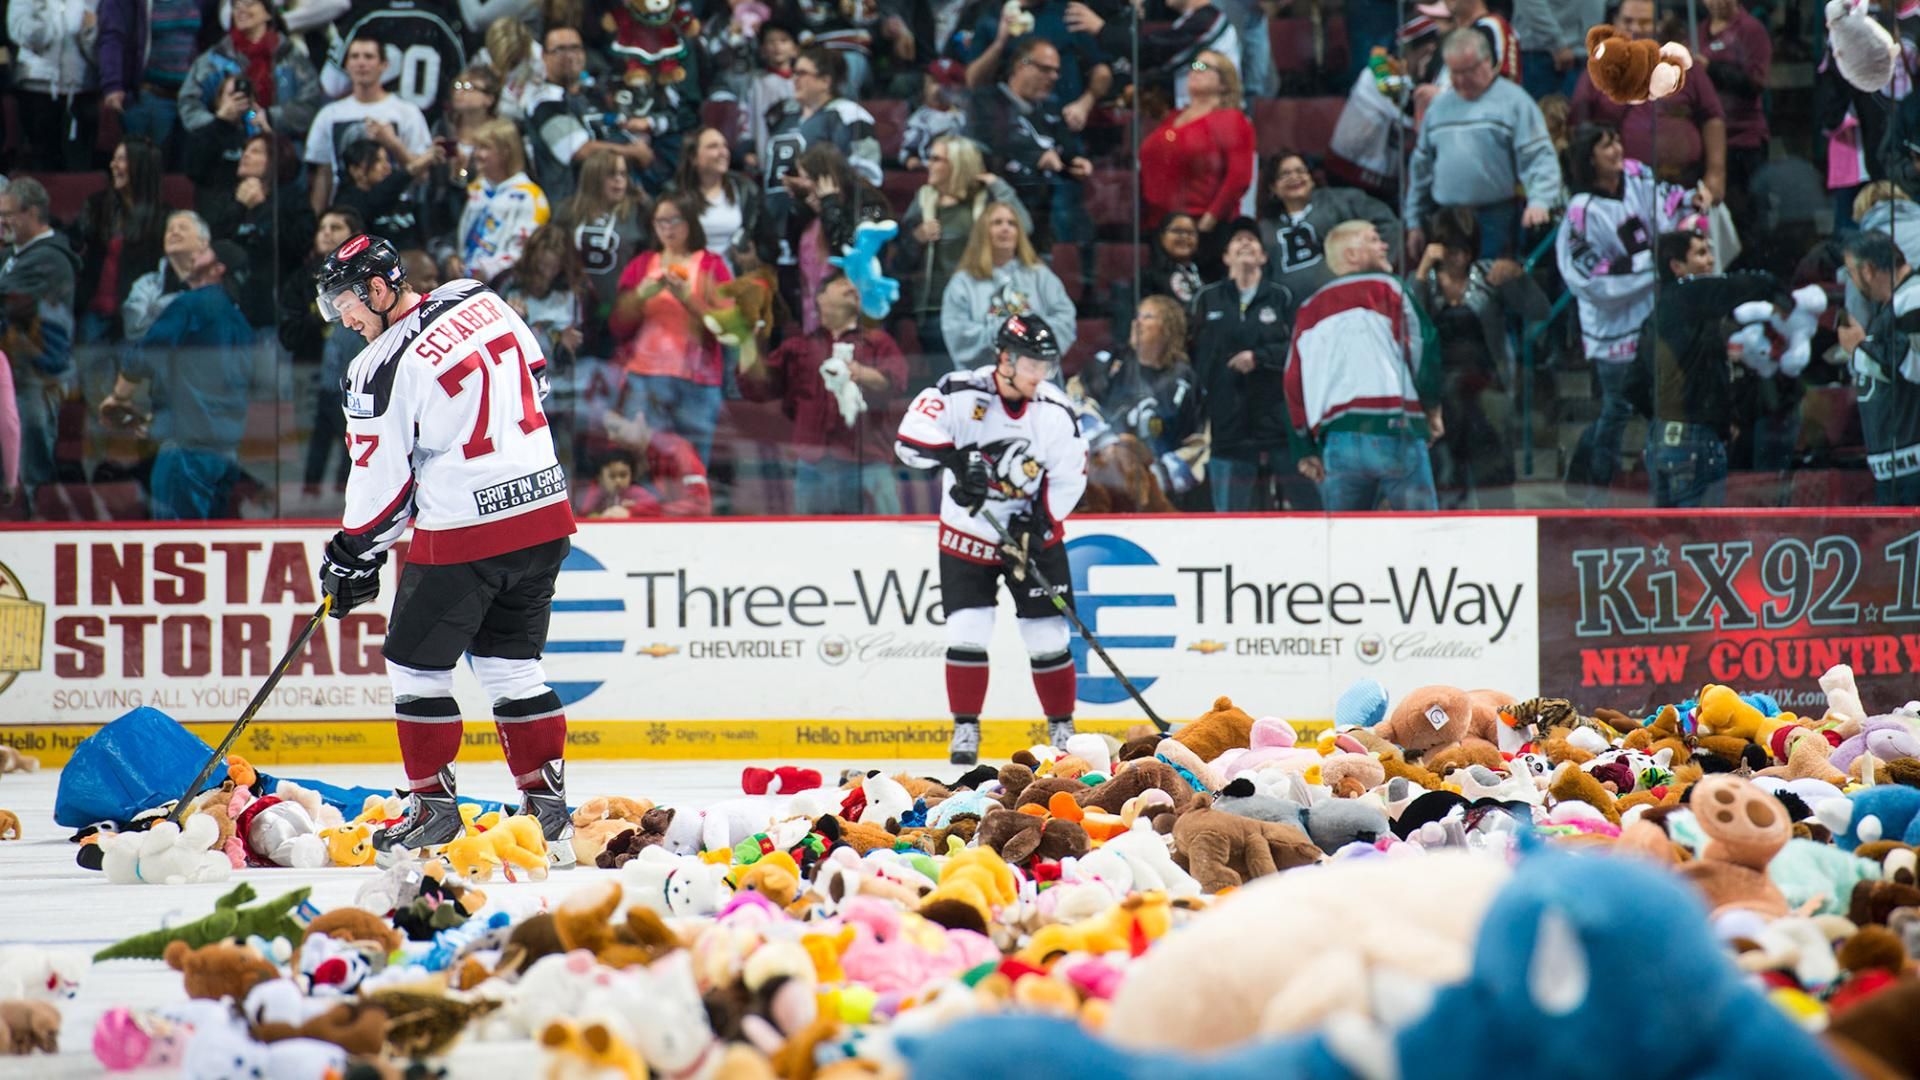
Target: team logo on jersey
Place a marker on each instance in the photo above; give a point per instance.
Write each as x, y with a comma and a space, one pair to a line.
1016, 473
980, 412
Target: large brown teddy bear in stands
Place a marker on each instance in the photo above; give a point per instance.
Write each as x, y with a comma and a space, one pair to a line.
1630, 72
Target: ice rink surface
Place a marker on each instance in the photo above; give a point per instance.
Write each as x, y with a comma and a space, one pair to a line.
51, 901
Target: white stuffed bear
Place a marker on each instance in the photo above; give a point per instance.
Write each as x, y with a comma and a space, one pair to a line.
32, 973
837, 375
1794, 332
676, 885
227, 1053
166, 854
1862, 49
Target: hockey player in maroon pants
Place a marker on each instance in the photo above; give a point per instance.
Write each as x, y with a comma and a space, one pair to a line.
1012, 448
445, 432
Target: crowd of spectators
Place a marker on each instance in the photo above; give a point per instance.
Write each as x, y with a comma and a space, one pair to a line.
1402, 307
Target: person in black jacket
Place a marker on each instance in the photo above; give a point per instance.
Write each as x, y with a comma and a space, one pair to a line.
261, 211
1148, 390
1242, 326
1682, 381
1029, 144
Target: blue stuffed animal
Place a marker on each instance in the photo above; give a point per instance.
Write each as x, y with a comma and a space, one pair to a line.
1587, 966
1011, 1045
1882, 812
878, 292
1586, 963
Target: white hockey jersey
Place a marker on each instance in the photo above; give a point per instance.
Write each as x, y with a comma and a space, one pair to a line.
1606, 254
445, 430
1035, 450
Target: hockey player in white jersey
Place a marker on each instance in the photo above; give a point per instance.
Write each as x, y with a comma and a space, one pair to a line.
446, 433
1011, 447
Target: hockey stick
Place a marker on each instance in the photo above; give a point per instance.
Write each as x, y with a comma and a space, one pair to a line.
179, 812
1060, 604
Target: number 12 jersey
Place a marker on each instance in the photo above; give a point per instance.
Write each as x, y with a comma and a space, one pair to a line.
445, 430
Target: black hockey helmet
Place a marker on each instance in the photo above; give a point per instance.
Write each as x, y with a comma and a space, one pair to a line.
351, 265
1028, 335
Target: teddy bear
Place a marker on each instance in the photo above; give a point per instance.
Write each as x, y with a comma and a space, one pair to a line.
1863, 51
1882, 812
12, 760
218, 970
676, 885
584, 920
1020, 837
1129, 925
348, 845
9, 825
610, 850
350, 923
359, 1029
1428, 719
1220, 729
1630, 72
27, 1026
283, 829
166, 854
1746, 828
1223, 850
1772, 342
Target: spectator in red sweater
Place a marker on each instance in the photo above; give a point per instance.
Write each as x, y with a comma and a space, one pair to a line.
1200, 160
648, 474
841, 406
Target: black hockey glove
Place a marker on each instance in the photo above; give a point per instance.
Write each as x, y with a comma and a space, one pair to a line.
1026, 535
350, 579
970, 491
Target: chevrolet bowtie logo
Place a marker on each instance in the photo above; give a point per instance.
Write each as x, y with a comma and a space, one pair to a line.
658, 650
1207, 647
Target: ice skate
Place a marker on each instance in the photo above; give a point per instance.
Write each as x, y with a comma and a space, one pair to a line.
964, 747
430, 821
550, 807
1059, 731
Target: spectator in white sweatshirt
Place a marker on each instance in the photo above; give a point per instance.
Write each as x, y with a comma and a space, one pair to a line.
503, 205
56, 77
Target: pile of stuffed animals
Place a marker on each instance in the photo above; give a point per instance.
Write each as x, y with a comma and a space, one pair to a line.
1451, 883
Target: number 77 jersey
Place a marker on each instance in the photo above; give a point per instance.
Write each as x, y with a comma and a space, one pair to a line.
445, 430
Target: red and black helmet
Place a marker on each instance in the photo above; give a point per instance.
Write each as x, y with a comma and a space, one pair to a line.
351, 265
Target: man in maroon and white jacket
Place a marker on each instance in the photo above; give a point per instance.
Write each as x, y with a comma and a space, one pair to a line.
1360, 383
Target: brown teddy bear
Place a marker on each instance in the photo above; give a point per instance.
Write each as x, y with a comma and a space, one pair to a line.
1427, 720
1020, 837
584, 920
1223, 851
1222, 729
1746, 828
26, 1026
1487, 707
1630, 72
355, 924
360, 1030
222, 969
9, 825
611, 853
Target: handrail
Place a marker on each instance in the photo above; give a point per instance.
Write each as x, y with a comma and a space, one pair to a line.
1529, 338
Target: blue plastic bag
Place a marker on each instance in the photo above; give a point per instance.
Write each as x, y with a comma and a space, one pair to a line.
135, 763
